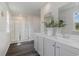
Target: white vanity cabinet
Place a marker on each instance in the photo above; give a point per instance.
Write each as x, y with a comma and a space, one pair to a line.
49, 47
40, 45
65, 50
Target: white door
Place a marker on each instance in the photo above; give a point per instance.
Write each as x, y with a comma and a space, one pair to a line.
21, 30
49, 47
64, 50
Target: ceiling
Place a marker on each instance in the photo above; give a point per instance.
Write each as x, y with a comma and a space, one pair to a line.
25, 8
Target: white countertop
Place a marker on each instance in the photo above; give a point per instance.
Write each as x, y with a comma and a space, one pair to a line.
66, 41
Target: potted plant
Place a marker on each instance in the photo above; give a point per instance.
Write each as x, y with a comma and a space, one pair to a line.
49, 24
61, 25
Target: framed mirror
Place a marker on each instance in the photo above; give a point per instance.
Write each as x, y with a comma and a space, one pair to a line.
70, 14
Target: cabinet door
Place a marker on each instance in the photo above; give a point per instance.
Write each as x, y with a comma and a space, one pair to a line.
40, 46
35, 42
64, 50
49, 47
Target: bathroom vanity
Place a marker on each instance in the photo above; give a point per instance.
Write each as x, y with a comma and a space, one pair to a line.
55, 45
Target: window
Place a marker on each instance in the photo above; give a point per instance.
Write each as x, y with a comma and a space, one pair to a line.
76, 20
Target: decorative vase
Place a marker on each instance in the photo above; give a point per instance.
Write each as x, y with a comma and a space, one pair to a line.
49, 31
60, 32
54, 31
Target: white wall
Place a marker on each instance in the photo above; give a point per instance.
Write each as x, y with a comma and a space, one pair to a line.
4, 44
4, 35
34, 22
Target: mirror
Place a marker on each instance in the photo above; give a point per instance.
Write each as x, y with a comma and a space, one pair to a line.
70, 14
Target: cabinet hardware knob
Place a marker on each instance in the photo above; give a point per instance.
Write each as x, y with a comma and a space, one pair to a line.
53, 45
58, 47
